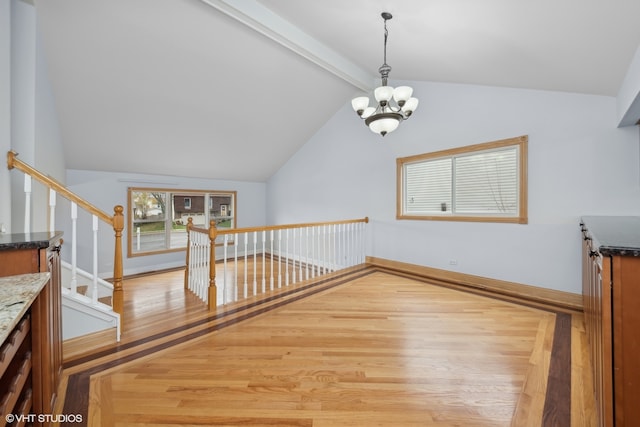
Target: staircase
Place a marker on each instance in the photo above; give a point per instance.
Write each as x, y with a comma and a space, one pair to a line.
86, 304
89, 303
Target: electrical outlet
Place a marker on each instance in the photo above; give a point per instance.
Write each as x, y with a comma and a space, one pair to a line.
453, 262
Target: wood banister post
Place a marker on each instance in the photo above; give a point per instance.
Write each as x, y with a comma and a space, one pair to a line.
213, 294
11, 157
186, 269
118, 296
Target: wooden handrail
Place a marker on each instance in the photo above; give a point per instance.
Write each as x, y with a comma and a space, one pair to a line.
212, 232
279, 227
14, 162
116, 221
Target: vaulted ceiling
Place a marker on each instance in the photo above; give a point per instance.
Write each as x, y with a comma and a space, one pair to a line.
231, 89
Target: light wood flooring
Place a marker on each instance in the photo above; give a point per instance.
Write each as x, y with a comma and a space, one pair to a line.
365, 347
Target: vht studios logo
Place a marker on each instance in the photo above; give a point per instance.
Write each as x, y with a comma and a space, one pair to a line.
43, 418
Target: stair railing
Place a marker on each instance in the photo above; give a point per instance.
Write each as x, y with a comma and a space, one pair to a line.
116, 221
252, 261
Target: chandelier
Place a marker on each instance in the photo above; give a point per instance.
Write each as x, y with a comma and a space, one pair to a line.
393, 105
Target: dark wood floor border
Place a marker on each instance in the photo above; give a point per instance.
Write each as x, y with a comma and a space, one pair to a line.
77, 392
489, 293
213, 317
557, 404
557, 408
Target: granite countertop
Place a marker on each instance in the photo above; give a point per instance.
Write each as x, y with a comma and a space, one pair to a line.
17, 293
38, 240
614, 235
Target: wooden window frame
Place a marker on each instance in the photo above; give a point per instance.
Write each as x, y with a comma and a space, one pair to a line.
520, 218
172, 192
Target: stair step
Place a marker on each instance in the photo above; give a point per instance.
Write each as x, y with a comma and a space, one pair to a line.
108, 300
82, 289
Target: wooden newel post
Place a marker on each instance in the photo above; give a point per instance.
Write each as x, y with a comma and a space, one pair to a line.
118, 295
186, 269
213, 294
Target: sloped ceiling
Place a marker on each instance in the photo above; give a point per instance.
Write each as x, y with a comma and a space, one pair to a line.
231, 89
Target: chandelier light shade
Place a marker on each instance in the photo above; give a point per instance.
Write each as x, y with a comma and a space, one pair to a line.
392, 105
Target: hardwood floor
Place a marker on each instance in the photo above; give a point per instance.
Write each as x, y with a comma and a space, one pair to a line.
366, 347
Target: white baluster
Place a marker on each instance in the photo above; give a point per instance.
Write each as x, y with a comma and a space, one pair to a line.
340, 246
224, 268
74, 248
52, 210
255, 264
246, 261
286, 257
330, 248
336, 243
235, 266
293, 255
353, 244
198, 264
192, 262
362, 229
324, 249
205, 272
300, 253
313, 252
271, 261
264, 261
280, 258
347, 245
201, 264
94, 285
306, 253
27, 204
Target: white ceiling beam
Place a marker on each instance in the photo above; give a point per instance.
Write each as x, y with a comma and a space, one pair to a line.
258, 17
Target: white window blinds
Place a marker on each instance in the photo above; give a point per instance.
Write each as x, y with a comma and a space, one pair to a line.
428, 186
487, 183
480, 181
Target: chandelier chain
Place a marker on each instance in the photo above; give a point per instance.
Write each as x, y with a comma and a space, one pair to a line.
385, 69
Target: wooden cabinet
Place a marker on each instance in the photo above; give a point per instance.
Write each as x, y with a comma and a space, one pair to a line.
611, 294
39, 252
16, 359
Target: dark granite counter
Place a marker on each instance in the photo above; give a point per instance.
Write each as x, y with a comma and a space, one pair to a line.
614, 235
39, 240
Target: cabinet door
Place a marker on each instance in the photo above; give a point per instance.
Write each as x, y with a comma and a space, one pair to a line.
606, 328
626, 339
55, 329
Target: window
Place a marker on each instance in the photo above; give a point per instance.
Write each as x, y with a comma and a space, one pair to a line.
157, 220
483, 182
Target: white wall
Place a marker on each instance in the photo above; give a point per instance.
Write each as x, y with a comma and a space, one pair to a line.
5, 110
33, 123
579, 163
23, 33
106, 190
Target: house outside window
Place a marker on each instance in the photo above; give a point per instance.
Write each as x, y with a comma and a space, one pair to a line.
158, 218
